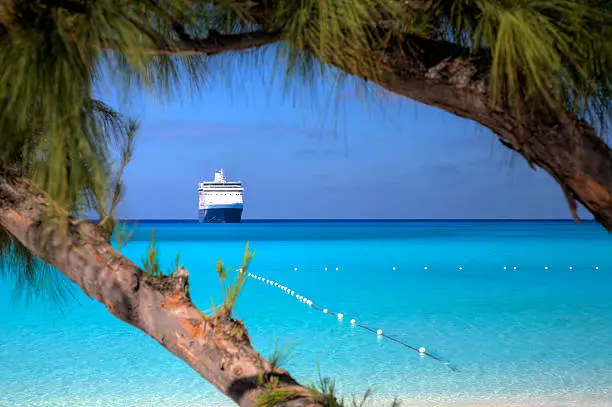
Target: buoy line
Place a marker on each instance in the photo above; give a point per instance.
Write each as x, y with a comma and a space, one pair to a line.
421, 351
461, 268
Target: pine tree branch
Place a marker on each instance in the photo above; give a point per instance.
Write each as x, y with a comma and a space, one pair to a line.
217, 347
216, 43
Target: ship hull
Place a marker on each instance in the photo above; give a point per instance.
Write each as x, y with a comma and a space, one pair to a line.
221, 215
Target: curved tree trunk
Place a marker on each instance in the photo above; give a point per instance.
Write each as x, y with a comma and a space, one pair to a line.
443, 75
217, 347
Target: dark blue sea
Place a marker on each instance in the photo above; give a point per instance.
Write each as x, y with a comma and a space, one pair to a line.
523, 310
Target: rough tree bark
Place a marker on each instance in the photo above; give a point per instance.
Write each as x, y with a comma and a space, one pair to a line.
440, 74
217, 347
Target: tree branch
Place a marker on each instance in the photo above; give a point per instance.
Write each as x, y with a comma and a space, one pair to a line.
442, 74
219, 43
216, 43
217, 347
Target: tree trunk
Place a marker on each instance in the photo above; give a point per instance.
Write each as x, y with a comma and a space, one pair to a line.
217, 347
443, 75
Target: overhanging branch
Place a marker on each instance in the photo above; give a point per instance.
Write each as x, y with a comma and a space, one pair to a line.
216, 43
442, 74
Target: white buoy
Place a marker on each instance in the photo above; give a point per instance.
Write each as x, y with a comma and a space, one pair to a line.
309, 302
325, 269
393, 268
422, 350
596, 267
353, 322
379, 332
340, 315
505, 268
514, 267
295, 269
545, 267
337, 268
425, 268
460, 267
325, 310
570, 267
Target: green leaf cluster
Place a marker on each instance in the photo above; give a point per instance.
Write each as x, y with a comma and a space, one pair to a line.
150, 262
231, 290
556, 52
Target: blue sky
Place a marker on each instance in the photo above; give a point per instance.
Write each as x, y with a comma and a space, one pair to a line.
324, 152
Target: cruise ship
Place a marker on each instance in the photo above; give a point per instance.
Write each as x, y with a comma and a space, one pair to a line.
220, 201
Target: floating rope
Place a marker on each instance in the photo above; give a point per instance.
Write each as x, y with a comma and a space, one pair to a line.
421, 351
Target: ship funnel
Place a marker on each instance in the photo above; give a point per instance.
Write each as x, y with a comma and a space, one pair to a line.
219, 176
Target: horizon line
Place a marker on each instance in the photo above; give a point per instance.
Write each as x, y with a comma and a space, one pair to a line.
363, 220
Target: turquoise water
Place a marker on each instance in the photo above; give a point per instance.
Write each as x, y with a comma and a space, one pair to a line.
530, 336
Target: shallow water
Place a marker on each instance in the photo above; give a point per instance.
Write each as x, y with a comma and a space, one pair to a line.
528, 335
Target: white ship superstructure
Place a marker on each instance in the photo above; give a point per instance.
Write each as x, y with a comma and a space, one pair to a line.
220, 200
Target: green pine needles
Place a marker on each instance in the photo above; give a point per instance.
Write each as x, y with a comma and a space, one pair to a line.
324, 392
150, 262
32, 278
231, 290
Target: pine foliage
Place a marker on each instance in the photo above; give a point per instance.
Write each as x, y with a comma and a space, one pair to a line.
231, 290
56, 56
